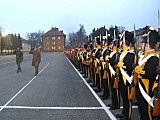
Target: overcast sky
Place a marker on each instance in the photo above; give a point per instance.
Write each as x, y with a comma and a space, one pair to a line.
22, 16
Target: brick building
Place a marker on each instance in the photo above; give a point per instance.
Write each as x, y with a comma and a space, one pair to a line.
53, 40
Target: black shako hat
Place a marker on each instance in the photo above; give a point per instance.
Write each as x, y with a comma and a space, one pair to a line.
91, 46
85, 46
98, 41
127, 37
109, 40
150, 37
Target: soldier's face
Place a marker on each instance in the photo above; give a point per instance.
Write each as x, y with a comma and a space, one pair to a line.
111, 46
35, 48
142, 46
157, 45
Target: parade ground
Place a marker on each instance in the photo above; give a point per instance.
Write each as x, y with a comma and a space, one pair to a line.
58, 92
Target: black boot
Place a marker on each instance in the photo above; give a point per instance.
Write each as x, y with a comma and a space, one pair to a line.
20, 69
36, 71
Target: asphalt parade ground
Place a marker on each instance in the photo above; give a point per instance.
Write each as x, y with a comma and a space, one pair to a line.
58, 92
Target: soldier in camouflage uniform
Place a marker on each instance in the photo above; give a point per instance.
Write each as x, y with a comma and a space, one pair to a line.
19, 58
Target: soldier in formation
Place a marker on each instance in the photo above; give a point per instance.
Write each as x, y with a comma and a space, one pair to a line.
115, 68
145, 70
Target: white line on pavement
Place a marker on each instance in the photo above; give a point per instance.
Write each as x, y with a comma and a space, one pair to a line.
54, 108
21, 90
96, 96
59, 108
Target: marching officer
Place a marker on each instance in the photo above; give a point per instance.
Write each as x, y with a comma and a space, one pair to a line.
146, 75
125, 65
36, 58
19, 59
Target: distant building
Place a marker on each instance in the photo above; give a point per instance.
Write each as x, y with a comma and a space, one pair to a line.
53, 40
139, 32
26, 46
11, 43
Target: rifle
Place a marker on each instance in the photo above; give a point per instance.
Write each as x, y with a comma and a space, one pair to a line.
156, 109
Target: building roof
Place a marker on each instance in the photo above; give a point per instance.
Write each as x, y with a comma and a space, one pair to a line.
54, 32
99, 31
141, 31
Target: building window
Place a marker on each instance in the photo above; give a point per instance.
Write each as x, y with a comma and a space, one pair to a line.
54, 48
47, 38
54, 42
48, 48
53, 38
47, 42
59, 42
59, 37
59, 47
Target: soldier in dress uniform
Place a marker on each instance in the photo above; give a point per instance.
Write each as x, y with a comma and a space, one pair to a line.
84, 60
97, 65
79, 58
36, 58
19, 59
115, 96
93, 63
105, 74
76, 58
156, 88
90, 60
125, 65
146, 75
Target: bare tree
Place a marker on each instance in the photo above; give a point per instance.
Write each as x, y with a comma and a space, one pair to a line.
35, 38
1, 29
79, 35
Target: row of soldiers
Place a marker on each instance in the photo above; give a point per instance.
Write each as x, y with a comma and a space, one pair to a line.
115, 67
